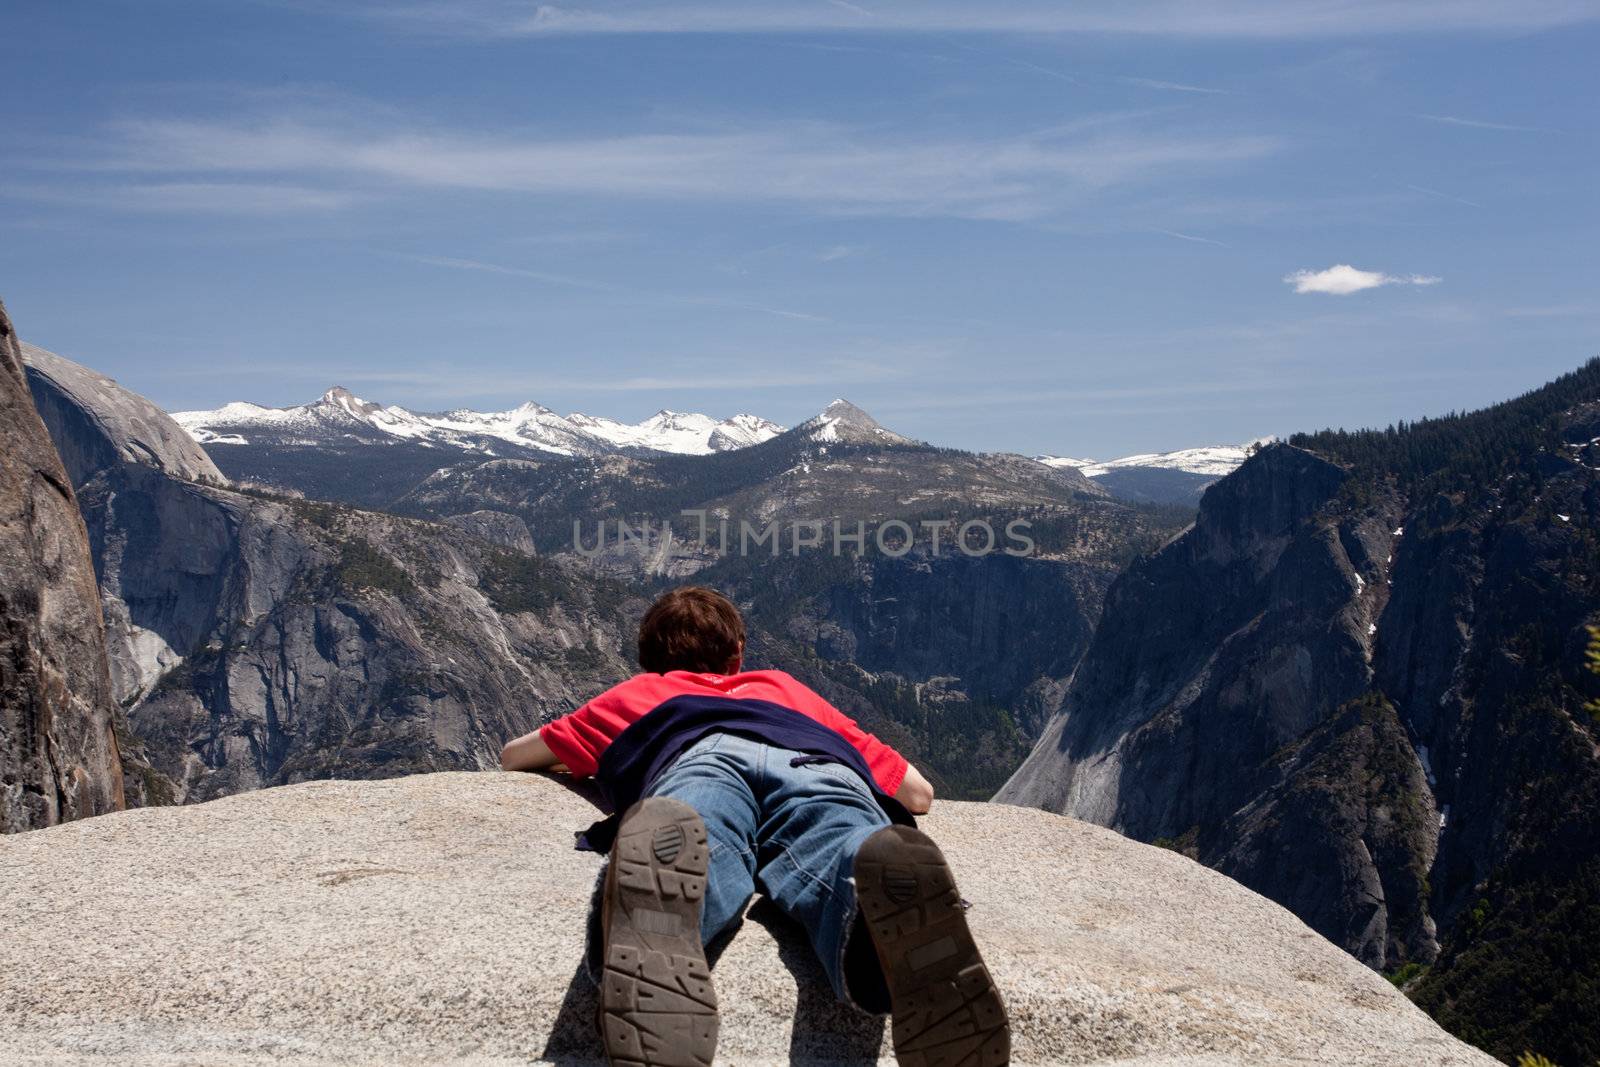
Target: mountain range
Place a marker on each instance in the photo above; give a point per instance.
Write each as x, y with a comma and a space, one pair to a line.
266, 443
339, 413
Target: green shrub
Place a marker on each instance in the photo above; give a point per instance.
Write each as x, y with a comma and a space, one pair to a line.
515, 583
363, 566
1406, 973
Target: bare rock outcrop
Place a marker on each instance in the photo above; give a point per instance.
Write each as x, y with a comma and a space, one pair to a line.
101, 424
58, 748
438, 919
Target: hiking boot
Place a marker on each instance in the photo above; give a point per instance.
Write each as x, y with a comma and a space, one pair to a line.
946, 1008
657, 1007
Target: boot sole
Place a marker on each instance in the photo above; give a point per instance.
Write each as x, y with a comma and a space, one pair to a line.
947, 1011
657, 1006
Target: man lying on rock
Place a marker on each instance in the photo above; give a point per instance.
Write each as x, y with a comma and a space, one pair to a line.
728, 781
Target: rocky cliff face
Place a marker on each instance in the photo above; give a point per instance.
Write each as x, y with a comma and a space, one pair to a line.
58, 750
259, 640
333, 643
1215, 654
438, 919
1356, 686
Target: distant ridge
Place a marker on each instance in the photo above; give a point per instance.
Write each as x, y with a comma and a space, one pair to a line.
339, 415
1213, 460
1177, 477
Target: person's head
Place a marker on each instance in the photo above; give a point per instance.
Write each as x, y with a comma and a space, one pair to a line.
692, 629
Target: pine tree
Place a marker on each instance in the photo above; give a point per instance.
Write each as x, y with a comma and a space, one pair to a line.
1593, 707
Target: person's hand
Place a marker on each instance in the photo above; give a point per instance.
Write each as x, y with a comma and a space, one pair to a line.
529, 753
915, 792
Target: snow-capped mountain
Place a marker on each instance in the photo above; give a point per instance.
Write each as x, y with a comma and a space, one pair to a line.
340, 416
1167, 477
1213, 460
843, 421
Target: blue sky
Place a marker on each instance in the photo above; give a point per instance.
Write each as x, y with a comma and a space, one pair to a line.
1086, 229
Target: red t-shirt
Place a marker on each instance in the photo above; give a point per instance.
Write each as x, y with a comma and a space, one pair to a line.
579, 739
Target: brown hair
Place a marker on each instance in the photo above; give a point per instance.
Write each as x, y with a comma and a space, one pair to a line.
690, 628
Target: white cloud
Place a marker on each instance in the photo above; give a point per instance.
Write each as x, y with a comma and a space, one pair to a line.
820, 166
1162, 18
1343, 279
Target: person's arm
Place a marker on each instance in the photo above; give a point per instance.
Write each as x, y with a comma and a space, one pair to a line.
529, 753
915, 792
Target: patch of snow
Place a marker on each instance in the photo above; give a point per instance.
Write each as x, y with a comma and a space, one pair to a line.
1066, 461
1372, 628
1213, 460
206, 437
1564, 518
1361, 583
1444, 816
1399, 531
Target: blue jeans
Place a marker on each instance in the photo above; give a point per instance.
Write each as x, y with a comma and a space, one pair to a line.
791, 831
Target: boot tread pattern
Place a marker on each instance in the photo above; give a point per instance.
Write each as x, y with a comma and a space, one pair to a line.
947, 1011
658, 1007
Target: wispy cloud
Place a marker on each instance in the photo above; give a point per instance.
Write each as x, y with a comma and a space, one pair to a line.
845, 5
515, 272
1479, 124
1577, 309
1157, 18
1442, 196
606, 287
857, 363
190, 197
1049, 72
1175, 87
1343, 279
826, 167
1191, 237
838, 252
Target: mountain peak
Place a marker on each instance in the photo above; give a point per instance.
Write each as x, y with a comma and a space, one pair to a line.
346, 401
843, 421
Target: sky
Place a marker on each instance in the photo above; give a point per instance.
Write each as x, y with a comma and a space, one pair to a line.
1083, 229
